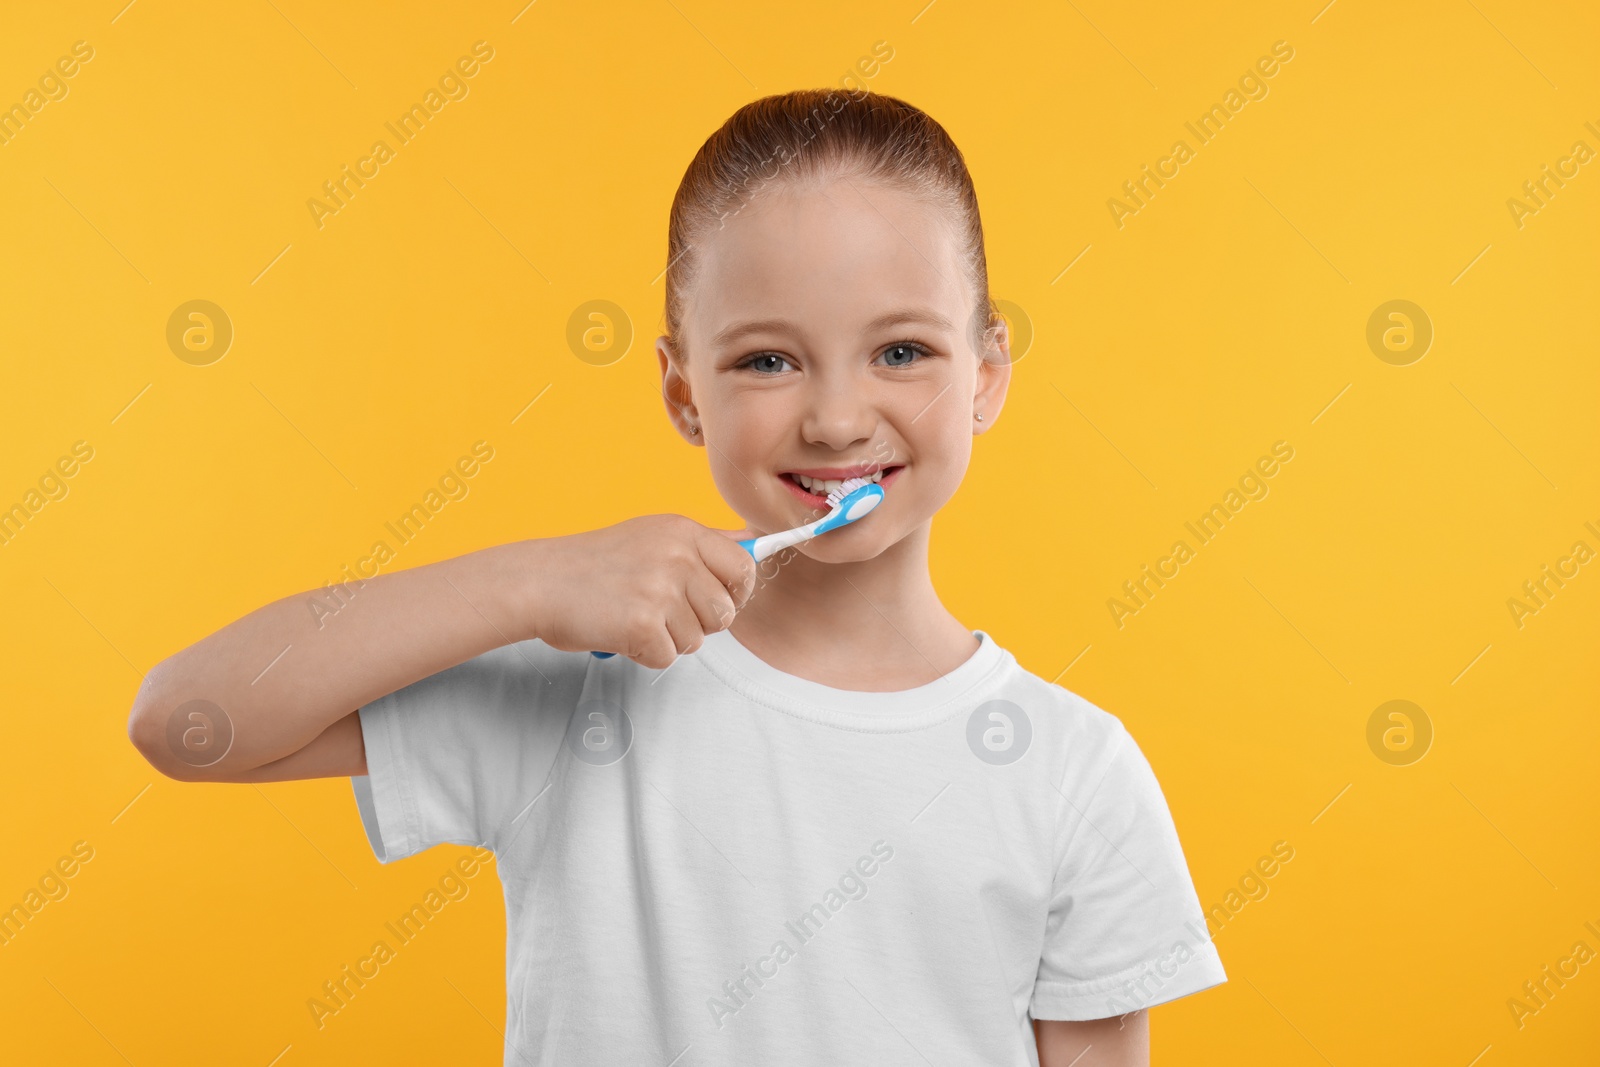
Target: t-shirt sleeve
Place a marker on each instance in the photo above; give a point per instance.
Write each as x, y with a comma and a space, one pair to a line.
1125, 930
459, 756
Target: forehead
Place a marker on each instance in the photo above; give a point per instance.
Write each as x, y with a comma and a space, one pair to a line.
830, 256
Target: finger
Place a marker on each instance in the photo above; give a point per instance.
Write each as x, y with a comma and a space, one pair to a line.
658, 651
731, 564
684, 626
712, 604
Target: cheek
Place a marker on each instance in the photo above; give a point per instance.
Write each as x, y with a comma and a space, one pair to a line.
940, 440
745, 432
941, 472
940, 454
733, 472
740, 441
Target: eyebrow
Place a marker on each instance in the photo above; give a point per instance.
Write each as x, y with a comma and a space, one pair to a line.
898, 317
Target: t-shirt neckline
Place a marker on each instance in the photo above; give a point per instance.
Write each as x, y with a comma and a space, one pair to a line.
902, 709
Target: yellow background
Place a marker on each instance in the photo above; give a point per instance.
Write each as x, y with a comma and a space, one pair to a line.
1226, 315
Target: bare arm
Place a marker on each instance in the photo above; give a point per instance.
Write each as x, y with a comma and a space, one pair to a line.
277, 691
1121, 1041
297, 717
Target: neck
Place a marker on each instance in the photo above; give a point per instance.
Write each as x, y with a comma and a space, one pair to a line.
875, 625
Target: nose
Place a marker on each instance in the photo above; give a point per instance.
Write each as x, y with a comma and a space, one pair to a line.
839, 412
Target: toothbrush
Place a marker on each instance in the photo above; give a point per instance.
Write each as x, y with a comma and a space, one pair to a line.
853, 499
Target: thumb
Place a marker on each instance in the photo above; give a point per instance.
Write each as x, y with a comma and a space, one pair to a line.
742, 534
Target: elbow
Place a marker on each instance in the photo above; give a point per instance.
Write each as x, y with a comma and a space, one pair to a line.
144, 739
148, 735
172, 739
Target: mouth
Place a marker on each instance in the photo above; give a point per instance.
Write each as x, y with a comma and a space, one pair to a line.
813, 488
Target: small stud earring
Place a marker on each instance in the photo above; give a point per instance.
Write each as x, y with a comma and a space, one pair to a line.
980, 418
694, 430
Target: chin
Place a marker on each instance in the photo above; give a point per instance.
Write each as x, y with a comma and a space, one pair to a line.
837, 546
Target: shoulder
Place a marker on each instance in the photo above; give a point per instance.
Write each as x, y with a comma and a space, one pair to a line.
1069, 716
1080, 739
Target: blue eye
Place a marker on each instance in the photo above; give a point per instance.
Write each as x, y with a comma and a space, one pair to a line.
910, 349
752, 361
899, 354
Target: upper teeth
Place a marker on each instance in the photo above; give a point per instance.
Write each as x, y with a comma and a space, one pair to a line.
824, 486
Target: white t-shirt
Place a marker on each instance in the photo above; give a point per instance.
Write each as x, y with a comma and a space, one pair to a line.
722, 863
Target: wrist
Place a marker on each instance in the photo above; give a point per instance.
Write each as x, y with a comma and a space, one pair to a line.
519, 582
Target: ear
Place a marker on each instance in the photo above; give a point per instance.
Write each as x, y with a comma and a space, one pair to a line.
994, 376
675, 394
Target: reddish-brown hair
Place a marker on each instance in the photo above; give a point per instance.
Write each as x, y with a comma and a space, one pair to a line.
810, 134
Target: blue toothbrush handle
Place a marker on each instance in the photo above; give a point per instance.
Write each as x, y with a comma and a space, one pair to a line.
749, 546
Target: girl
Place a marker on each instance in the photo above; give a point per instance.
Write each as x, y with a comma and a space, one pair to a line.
806, 816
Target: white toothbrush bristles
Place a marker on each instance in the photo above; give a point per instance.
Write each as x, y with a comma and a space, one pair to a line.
846, 487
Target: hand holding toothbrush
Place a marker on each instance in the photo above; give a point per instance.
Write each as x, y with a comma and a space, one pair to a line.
646, 587
853, 498
657, 584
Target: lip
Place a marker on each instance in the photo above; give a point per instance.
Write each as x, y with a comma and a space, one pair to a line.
860, 470
820, 502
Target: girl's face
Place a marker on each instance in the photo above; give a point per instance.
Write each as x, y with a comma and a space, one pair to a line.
829, 332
